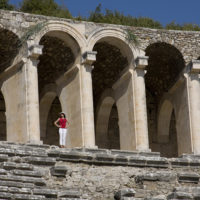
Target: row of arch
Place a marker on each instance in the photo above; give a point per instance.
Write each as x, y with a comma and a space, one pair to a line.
63, 48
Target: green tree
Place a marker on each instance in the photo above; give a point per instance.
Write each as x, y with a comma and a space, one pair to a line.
116, 17
45, 7
4, 4
184, 27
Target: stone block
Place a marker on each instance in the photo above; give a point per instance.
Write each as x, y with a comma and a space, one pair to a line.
28, 173
157, 176
3, 189
159, 197
41, 160
137, 161
121, 160
104, 158
16, 184
75, 156
124, 153
40, 146
23, 179
92, 150
188, 177
19, 190
179, 162
5, 195
157, 162
9, 165
27, 197
3, 172
3, 158
69, 194
180, 195
59, 171
53, 153
49, 193
121, 194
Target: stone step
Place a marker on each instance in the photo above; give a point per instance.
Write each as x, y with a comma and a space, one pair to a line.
15, 190
16, 184
23, 179
188, 177
40, 160
157, 176
13, 165
59, 171
28, 173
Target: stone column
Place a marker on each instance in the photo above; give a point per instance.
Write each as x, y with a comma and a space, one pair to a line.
141, 128
194, 102
31, 92
87, 99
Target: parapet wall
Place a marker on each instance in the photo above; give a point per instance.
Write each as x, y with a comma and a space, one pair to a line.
47, 172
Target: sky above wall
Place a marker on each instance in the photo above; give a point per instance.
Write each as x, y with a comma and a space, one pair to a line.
164, 11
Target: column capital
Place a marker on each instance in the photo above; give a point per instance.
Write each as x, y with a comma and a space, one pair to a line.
89, 57
34, 50
194, 67
141, 62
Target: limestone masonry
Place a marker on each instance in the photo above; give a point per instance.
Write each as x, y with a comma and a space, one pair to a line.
125, 100
47, 172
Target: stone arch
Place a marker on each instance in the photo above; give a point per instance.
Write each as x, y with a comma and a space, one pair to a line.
165, 64
103, 114
167, 40
114, 36
114, 54
9, 48
164, 68
62, 50
50, 107
46, 100
167, 134
58, 26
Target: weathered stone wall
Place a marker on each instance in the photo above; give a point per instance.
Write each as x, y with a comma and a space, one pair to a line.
188, 42
47, 172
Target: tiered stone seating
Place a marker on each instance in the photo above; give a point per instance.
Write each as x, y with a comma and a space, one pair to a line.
37, 172
23, 170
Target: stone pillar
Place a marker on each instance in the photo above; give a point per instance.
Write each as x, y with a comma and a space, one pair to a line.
194, 102
141, 128
87, 99
32, 121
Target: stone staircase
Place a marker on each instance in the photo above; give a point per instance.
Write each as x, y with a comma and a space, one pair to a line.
37, 172
24, 171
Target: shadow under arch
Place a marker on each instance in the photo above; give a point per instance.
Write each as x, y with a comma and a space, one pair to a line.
3, 131
49, 94
50, 107
164, 117
107, 129
165, 65
9, 48
167, 130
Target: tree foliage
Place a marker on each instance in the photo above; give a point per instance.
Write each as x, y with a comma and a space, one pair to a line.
185, 27
51, 8
4, 4
115, 17
45, 7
